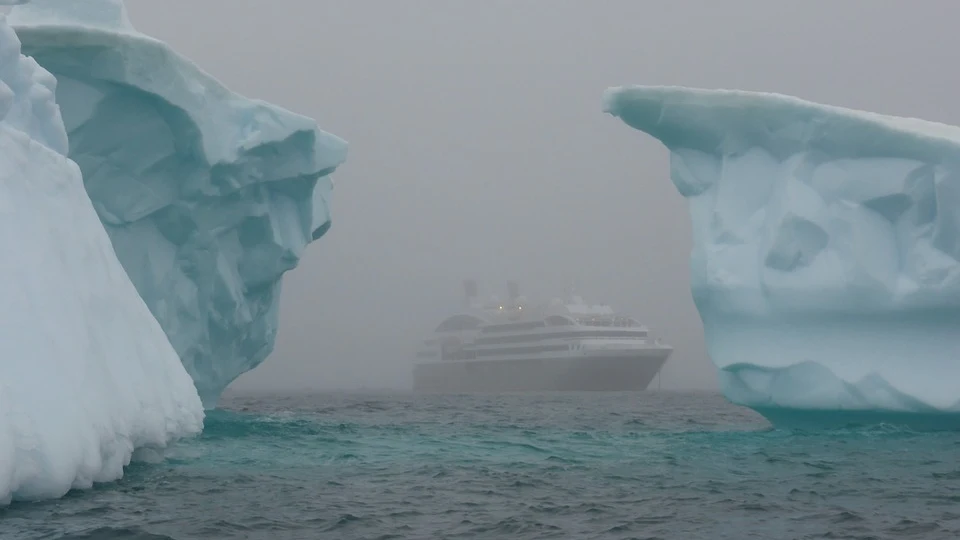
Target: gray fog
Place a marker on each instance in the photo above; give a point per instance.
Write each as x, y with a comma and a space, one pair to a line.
478, 148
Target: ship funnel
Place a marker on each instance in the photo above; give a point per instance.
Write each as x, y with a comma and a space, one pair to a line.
513, 290
470, 291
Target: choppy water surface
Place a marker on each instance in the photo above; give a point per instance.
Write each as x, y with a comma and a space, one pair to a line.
610, 466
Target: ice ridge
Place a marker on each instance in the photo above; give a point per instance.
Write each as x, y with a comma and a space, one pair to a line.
87, 376
208, 197
826, 248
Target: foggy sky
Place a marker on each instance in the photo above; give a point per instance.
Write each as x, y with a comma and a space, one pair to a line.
478, 147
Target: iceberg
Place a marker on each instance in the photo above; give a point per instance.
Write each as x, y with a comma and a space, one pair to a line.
208, 197
825, 251
87, 375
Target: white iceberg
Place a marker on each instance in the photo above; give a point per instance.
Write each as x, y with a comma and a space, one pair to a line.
87, 375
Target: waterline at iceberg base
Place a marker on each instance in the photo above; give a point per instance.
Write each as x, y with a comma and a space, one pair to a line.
826, 252
208, 197
87, 376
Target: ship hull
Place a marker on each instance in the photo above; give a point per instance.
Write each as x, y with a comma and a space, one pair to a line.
602, 371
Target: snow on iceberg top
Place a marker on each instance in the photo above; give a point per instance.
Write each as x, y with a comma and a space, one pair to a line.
230, 122
107, 14
714, 120
809, 208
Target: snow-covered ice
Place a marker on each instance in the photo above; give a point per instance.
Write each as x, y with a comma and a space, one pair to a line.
86, 373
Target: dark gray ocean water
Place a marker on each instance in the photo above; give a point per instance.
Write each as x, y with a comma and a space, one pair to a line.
582, 466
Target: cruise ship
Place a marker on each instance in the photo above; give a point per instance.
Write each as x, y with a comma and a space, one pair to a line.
563, 345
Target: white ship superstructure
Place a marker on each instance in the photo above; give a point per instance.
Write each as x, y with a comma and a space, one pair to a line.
563, 345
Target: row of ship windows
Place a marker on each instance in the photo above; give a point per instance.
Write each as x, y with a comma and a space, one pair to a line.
473, 354
468, 322
496, 340
503, 340
470, 354
513, 327
524, 350
556, 320
619, 322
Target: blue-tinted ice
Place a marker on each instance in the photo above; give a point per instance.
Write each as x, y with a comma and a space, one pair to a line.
87, 376
208, 197
825, 253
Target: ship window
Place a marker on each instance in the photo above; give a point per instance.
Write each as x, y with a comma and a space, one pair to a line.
459, 322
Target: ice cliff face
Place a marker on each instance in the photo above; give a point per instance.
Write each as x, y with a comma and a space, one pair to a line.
208, 197
86, 373
826, 247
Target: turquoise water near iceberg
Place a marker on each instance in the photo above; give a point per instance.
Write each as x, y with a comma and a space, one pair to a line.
577, 465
